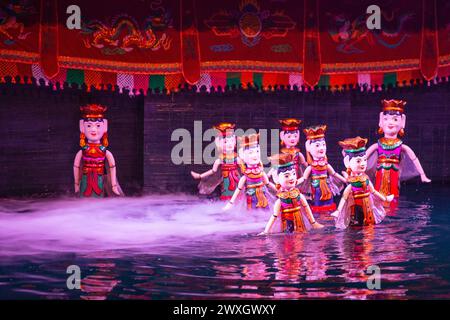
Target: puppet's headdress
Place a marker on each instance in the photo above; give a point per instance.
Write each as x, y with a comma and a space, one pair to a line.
249, 141
290, 124
282, 160
93, 111
225, 128
354, 146
393, 105
315, 132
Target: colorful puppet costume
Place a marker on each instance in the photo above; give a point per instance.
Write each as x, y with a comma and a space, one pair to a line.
227, 175
361, 208
291, 205
389, 165
292, 125
94, 169
293, 216
255, 189
322, 185
255, 186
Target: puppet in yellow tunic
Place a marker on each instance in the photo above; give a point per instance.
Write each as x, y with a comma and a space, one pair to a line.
320, 179
225, 170
390, 160
94, 167
296, 215
254, 180
361, 204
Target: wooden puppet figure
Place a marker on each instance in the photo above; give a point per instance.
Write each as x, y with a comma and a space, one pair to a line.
360, 204
320, 178
254, 179
291, 205
225, 170
390, 159
290, 137
94, 167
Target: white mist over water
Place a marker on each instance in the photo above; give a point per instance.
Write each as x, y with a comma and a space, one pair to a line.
89, 225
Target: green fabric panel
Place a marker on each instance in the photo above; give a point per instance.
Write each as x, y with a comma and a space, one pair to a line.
75, 76
257, 79
324, 80
390, 78
233, 78
157, 81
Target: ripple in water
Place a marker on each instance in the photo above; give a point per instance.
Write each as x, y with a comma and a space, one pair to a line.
164, 247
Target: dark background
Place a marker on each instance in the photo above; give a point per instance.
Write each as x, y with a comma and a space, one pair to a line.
40, 135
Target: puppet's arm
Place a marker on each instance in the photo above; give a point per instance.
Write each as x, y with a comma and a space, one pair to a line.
211, 171
267, 182
276, 212
112, 170
343, 201
332, 172
387, 198
305, 175
76, 171
302, 159
416, 162
371, 149
235, 194
309, 214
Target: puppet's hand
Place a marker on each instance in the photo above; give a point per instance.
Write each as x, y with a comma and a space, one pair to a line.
262, 233
424, 178
335, 214
389, 198
115, 189
317, 225
227, 206
195, 175
345, 174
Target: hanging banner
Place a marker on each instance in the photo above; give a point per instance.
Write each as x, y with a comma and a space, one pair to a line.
190, 47
48, 46
251, 35
19, 31
311, 45
137, 39
348, 45
429, 52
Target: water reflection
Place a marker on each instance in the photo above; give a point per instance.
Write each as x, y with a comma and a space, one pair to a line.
217, 256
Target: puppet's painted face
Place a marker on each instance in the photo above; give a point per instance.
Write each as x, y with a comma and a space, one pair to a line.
251, 156
287, 179
317, 148
227, 144
94, 130
290, 138
356, 164
392, 123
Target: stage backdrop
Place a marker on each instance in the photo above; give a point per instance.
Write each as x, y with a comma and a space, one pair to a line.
40, 134
346, 114
201, 41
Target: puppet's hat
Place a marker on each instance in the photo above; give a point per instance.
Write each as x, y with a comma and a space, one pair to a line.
290, 124
393, 105
354, 145
282, 160
315, 132
249, 141
93, 111
225, 128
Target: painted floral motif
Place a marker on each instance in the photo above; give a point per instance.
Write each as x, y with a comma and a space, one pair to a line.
250, 22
